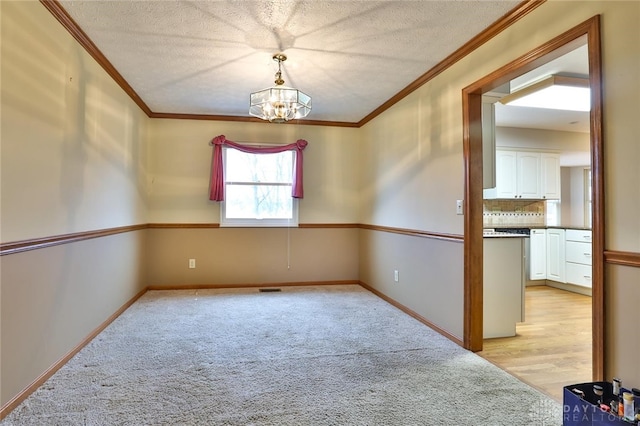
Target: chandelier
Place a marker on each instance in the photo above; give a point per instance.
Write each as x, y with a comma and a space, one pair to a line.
279, 103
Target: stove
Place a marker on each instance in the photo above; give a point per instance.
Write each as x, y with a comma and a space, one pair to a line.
520, 231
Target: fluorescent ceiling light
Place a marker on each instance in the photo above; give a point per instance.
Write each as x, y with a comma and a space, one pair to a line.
553, 92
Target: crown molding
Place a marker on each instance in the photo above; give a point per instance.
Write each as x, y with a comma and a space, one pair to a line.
56, 9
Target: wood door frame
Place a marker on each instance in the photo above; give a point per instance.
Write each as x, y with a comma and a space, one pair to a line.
472, 146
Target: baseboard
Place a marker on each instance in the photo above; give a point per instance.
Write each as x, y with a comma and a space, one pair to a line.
413, 314
17, 400
586, 291
250, 285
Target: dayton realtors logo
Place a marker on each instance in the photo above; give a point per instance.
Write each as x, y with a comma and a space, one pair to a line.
545, 412
586, 412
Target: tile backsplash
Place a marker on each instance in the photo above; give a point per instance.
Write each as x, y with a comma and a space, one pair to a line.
513, 213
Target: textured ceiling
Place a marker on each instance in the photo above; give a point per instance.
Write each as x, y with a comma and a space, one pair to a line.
206, 57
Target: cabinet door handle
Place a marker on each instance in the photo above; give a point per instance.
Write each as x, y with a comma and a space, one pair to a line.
587, 276
587, 254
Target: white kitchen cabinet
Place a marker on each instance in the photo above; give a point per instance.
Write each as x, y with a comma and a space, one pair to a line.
578, 252
525, 175
528, 178
578, 257
556, 262
503, 286
579, 274
506, 176
579, 235
538, 254
550, 175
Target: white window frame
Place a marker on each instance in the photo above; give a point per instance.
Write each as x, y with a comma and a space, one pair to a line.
256, 222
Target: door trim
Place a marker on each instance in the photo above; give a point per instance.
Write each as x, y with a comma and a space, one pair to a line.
472, 151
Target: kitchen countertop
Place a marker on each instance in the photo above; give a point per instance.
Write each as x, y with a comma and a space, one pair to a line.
490, 233
581, 228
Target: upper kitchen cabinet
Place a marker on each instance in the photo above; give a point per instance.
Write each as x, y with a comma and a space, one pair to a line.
550, 173
528, 176
506, 172
525, 175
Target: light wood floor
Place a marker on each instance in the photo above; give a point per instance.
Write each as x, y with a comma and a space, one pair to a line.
552, 348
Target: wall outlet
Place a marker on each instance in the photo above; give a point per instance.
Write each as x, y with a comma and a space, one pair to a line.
396, 275
459, 206
192, 263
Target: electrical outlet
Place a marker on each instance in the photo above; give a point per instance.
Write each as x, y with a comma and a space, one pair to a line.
459, 206
192, 263
396, 275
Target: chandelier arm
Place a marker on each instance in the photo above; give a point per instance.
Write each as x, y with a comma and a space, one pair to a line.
279, 104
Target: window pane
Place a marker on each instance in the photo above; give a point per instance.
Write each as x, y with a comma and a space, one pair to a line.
269, 168
258, 202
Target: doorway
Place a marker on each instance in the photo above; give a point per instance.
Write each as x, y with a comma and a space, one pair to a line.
473, 159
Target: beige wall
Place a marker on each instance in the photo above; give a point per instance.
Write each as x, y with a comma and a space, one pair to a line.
53, 298
412, 170
179, 170
621, 62
73, 149
73, 159
622, 341
180, 163
425, 275
412, 175
241, 256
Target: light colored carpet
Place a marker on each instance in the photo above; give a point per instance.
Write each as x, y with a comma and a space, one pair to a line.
334, 355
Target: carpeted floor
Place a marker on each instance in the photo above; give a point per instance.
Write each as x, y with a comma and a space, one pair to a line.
335, 355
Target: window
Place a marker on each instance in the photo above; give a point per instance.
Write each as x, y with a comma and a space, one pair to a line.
258, 189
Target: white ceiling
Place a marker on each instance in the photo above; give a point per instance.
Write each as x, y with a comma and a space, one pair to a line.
206, 57
350, 56
574, 64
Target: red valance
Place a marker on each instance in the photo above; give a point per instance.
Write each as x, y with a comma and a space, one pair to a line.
216, 188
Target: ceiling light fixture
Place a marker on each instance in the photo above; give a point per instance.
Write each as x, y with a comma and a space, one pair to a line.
279, 103
553, 92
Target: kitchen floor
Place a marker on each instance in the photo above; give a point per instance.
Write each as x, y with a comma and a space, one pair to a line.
552, 348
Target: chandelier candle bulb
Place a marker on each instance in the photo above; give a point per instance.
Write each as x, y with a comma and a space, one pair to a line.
279, 103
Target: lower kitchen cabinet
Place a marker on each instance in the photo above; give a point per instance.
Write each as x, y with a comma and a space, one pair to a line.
556, 254
503, 286
561, 255
538, 254
578, 257
579, 274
